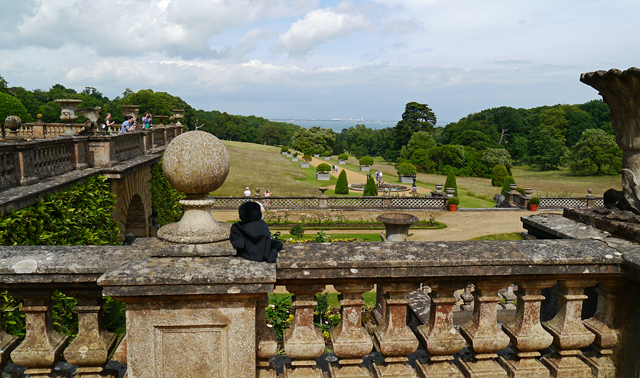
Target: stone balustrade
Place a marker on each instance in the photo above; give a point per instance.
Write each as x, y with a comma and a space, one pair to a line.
26, 163
204, 316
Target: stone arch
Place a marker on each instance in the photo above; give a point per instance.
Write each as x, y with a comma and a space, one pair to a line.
133, 202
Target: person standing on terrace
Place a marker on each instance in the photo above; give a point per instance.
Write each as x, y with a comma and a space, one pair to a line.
146, 120
108, 123
128, 125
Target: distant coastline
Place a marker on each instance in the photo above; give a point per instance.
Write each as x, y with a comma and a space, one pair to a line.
337, 124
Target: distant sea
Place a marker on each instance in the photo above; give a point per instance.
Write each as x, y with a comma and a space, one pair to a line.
338, 124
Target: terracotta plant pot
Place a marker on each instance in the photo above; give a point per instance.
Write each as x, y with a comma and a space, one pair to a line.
453, 207
533, 207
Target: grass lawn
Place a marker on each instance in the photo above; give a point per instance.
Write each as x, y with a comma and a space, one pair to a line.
507, 236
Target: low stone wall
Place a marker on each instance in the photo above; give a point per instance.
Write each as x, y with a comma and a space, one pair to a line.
335, 203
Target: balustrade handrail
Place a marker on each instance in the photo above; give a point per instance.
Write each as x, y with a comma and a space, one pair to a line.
333, 202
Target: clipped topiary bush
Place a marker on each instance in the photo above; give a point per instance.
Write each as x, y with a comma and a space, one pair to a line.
499, 175
284, 149
306, 158
366, 160
342, 186
454, 201
343, 156
451, 182
534, 201
323, 168
370, 188
11, 106
406, 169
507, 182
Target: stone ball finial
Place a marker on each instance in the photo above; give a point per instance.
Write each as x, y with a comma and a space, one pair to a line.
196, 162
12, 122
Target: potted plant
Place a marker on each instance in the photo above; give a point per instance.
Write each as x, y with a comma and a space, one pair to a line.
305, 161
342, 158
322, 172
534, 202
326, 155
365, 163
295, 157
453, 203
284, 150
405, 173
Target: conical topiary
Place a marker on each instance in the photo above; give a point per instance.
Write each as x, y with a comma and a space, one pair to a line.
499, 175
370, 189
507, 183
451, 182
342, 186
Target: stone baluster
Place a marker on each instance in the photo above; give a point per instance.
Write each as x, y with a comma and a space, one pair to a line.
467, 298
91, 348
392, 336
7, 344
266, 341
569, 333
483, 333
526, 333
351, 342
439, 335
509, 296
605, 325
303, 342
42, 345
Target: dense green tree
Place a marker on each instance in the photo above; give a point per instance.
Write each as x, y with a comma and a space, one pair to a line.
547, 148
493, 156
315, 140
475, 139
421, 140
269, 134
416, 117
233, 131
342, 185
4, 85
596, 153
159, 103
9, 106
370, 188
450, 182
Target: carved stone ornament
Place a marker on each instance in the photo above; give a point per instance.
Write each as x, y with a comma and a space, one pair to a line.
621, 91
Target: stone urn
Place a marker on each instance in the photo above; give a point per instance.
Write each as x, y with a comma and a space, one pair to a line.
513, 187
397, 225
68, 108
179, 114
451, 192
11, 126
93, 116
439, 188
196, 163
131, 110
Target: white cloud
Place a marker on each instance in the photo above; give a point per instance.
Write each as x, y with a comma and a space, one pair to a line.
320, 26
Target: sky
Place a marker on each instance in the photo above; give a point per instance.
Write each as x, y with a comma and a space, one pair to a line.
322, 59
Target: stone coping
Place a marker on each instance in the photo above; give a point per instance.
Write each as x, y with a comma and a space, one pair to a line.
562, 228
61, 264
446, 259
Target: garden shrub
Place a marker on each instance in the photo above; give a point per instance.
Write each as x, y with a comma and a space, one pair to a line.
451, 182
297, 231
343, 156
81, 215
342, 186
454, 201
534, 201
406, 169
323, 168
370, 188
11, 106
306, 158
164, 197
507, 182
499, 175
366, 160
284, 149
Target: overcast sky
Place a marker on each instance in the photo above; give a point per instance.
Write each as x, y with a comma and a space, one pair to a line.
322, 59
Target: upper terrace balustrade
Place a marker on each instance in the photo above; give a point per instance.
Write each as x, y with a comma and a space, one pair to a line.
204, 316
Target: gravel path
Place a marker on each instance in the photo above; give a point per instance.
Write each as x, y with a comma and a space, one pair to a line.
462, 225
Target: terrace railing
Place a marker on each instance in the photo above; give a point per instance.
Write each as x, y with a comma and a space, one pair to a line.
204, 316
335, 203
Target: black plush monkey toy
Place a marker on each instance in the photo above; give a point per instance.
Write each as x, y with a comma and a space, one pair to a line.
251, 237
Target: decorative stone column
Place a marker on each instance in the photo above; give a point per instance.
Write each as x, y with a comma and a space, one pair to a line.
439, 335
42, 345
568, 331
38, 128
91, 348
605, 325
392, 336
621, 91
351, 342
526, 333
7, 344
11, 126
483, 334
303, 342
